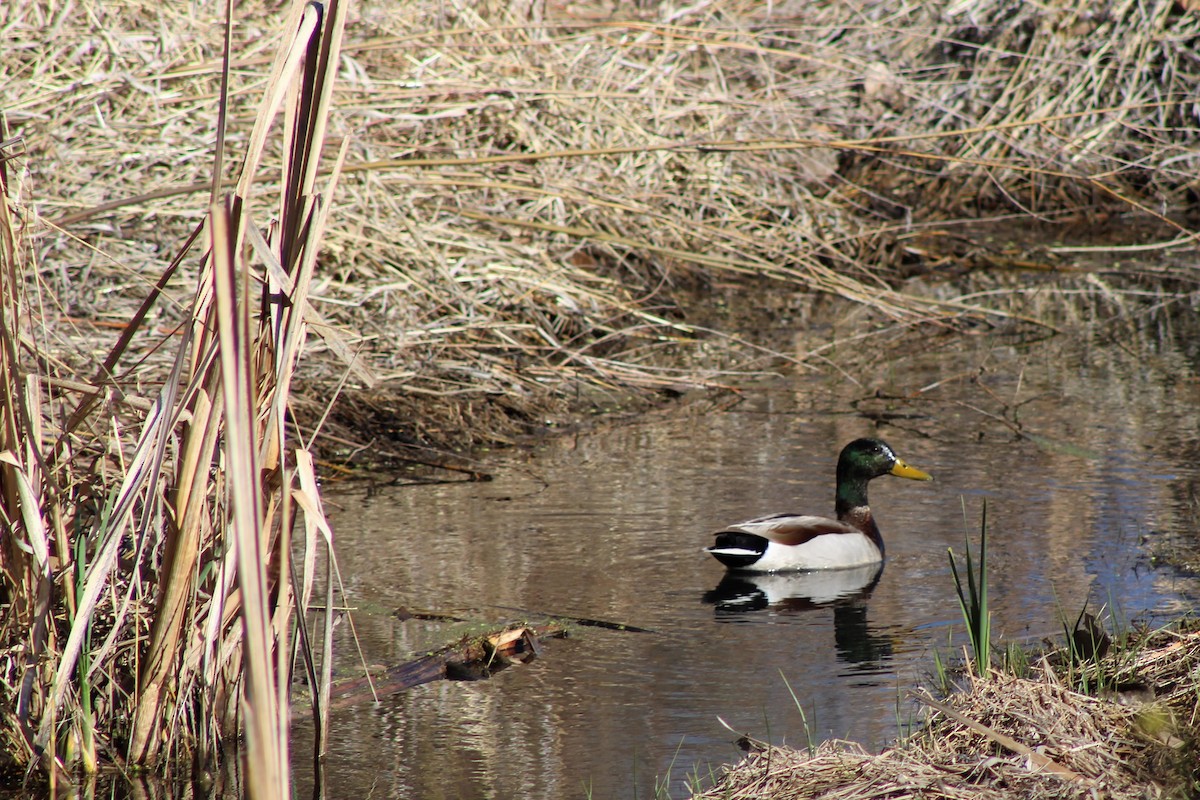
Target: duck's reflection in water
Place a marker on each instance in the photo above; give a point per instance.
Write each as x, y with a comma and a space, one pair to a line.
844, 591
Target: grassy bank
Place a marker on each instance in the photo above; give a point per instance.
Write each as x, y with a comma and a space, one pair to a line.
491, 217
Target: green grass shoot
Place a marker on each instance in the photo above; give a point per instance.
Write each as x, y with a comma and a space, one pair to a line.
974, 600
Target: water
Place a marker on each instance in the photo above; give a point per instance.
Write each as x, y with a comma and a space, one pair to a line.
610, 525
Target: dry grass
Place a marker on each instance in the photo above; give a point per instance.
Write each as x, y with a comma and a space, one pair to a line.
526, 194
1007, 737
529, 187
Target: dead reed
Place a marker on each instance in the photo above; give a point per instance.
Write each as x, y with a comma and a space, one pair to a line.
151, 601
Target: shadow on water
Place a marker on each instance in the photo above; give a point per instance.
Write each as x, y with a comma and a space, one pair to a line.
792, 592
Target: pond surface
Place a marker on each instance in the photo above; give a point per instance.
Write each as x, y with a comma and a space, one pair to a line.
610, 524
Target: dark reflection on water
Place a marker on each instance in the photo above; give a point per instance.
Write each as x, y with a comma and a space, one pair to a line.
793, 592
843, 595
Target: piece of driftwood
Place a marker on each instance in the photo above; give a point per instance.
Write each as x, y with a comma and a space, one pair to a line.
474, 658
584, 622
404, 613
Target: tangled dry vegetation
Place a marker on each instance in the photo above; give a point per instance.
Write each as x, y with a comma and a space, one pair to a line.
1038, 736
531, 189
527, 195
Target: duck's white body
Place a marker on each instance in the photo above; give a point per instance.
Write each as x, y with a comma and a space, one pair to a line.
790, 542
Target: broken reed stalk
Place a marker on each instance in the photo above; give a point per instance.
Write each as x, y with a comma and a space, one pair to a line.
211, 482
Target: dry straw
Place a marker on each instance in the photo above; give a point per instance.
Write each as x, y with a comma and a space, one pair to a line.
533, 190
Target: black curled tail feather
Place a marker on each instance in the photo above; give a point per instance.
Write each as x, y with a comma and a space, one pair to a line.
737, 549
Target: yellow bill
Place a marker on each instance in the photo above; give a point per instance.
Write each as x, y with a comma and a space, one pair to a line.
902, 470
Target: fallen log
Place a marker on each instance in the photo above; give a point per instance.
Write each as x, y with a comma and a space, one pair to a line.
473, 658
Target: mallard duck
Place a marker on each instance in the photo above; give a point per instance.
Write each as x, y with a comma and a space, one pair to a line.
783, 542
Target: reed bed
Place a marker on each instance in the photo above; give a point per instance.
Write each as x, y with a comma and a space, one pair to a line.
497, 214
1007, 736
153, 614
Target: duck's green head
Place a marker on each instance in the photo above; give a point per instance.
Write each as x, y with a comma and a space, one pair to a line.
864, 459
